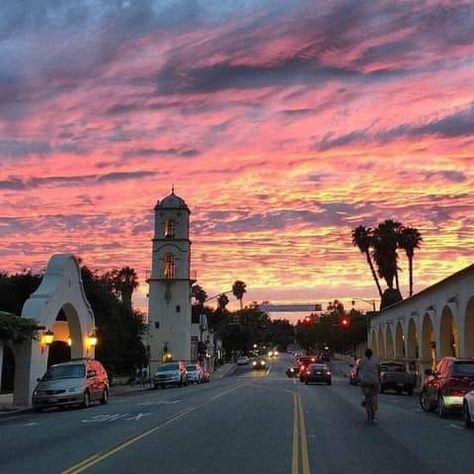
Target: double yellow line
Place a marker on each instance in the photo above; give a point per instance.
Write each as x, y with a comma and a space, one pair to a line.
299, 458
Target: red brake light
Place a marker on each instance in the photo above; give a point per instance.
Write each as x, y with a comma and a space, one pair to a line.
308, 372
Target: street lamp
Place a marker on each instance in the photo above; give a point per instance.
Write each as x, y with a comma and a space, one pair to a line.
47, 339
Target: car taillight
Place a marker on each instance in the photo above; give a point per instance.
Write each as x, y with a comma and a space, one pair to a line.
456, 392
308, 372
328, 372
302, 367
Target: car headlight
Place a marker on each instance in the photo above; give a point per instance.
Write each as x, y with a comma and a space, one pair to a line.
263, 362
254, 363
75, 389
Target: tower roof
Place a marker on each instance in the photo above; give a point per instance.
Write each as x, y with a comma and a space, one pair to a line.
172, 201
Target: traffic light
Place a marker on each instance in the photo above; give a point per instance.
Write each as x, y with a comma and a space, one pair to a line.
307, 321
345, 322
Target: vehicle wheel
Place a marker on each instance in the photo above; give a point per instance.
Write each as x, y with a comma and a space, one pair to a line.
301, 380
424, 403
105, 397
86, 401
441, 408
162, 386
467, 417
155, 386
410, 391
398, 390
306, 382
382, 388
37, 409
329, 382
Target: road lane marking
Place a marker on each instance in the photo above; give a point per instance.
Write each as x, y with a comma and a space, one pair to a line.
304, 440
300, 441
99, 457
95, 459
295, 450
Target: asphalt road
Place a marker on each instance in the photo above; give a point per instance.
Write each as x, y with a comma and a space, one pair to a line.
250, 422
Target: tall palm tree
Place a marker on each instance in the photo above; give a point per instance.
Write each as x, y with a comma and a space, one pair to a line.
385, 241
362, 238
238, 290
222, 302
409, 240
126, 282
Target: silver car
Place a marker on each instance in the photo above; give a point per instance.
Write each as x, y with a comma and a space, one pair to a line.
77, 382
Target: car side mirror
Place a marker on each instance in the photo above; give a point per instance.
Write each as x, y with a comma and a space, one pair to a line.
91, 373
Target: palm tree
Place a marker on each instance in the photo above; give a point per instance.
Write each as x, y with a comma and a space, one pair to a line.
385, 241
362, 238
198, 293
126, 282
238, 290
222, 302
409, 240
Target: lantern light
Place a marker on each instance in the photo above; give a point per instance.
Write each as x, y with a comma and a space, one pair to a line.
92, 339
47, 338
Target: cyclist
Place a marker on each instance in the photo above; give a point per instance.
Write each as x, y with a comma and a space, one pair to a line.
369, 376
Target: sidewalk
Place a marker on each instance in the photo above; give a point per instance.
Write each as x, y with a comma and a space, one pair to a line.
223, 371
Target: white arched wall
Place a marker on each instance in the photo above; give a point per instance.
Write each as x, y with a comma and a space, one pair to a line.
448, 334
399, 341
389, 347
428, 342
412, 340
60, 288
373, 342
380, 344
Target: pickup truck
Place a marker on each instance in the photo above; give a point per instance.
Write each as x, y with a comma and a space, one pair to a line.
393, 375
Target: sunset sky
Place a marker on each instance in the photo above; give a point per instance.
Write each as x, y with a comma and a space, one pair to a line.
283, 125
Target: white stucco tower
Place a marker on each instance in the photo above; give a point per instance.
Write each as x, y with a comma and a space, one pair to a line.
169, 304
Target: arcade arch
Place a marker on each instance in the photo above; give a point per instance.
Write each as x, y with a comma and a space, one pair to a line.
380, 344
428, 341
469, 329
412, 341
448, 333
399, 342
60, 307
389, 350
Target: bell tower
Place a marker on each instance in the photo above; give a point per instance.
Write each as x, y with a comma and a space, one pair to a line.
169, 304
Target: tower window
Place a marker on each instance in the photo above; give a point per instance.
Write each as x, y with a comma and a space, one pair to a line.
169, 266
178, 308
170, 228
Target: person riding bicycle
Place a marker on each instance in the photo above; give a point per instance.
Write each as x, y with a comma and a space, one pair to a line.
369, 375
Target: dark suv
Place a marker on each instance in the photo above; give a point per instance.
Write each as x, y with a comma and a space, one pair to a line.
445, 387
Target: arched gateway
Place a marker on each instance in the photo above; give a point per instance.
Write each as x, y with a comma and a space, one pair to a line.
61, 310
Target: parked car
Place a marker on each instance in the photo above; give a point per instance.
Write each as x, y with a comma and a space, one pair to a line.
195, 373
394, 376
318, 373
77, 382
468, 408
243, 360
170, 373
259, 364
353, 373
445, 387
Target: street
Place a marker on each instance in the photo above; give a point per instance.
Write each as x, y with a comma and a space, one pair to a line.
249, 422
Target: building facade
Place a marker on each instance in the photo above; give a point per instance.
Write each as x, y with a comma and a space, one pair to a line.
436, 322
169, 304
